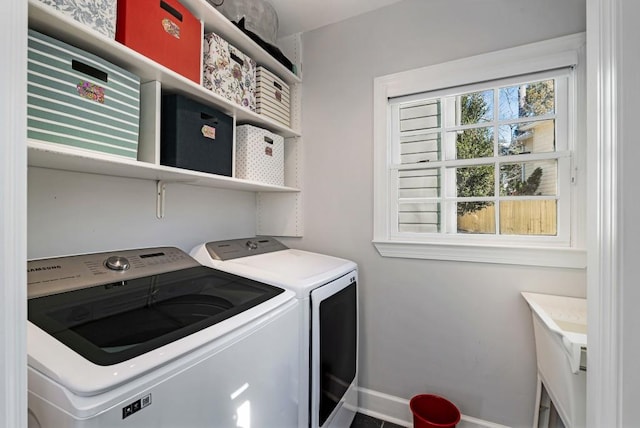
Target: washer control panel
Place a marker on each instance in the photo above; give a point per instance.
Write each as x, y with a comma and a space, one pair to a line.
60, 274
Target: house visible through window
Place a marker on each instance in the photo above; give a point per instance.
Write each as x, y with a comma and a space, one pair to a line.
483, 158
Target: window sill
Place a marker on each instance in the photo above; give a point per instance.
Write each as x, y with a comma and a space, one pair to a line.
512, 255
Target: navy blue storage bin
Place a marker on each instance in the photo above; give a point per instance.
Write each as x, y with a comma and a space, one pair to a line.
195, 136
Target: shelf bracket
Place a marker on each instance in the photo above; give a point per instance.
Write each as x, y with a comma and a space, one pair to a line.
160, 191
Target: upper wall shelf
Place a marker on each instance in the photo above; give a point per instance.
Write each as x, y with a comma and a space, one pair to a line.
215, 22
47, 20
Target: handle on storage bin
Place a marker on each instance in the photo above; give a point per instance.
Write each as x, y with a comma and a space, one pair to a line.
268, 140
236, 58
277, 85
166, 6
205, 116
89, 70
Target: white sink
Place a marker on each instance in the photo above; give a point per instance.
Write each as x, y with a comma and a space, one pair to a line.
560, 329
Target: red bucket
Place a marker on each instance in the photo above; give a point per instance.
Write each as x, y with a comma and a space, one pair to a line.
433, 411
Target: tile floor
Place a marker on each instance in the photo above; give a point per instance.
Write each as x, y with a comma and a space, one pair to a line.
364, 421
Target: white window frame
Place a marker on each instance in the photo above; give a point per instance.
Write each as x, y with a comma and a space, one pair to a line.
568, 251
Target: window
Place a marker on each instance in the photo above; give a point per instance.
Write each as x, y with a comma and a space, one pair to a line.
477, 159
484, 159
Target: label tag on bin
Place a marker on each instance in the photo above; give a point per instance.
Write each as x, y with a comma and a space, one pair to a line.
171, 28
90, 91
208, 132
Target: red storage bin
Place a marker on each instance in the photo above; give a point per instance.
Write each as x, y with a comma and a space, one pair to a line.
164, 31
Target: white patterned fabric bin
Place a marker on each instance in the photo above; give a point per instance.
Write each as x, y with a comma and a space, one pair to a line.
79, 100
259, 155
228, 72
100, 15
272, 96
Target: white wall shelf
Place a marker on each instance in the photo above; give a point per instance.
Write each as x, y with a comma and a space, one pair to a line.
54, 156
278, 208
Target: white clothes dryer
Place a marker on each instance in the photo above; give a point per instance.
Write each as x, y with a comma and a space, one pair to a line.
150, 338
326, 288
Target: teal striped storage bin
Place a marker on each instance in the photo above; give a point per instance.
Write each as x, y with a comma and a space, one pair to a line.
80, 100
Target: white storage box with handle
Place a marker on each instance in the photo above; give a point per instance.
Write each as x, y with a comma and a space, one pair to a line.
272, 96
259, 155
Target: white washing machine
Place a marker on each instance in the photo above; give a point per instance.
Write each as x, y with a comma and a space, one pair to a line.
326, 288
150, 338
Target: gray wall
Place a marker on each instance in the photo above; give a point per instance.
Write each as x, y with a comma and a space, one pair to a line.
70, 213
457, 329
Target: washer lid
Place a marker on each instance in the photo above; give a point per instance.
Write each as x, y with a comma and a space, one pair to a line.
98, 320
297, 270
115, 322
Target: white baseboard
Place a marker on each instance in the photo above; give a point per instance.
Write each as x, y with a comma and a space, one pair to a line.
396, 410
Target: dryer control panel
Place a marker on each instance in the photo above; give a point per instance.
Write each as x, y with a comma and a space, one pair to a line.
235, 248
61, 274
